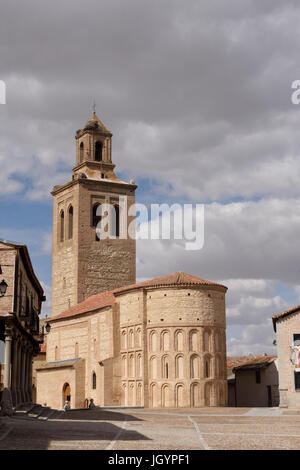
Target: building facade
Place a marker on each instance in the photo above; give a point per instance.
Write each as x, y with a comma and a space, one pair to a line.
160, 343
254, 382
82, 264
287, 328
20, 306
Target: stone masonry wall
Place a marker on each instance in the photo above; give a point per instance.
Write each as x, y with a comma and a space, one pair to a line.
286, 328
7, 263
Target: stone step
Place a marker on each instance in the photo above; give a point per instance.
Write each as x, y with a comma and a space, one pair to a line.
36, 411
56, 414
46, 412
24, 409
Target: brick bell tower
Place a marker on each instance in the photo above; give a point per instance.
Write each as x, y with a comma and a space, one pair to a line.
83, 264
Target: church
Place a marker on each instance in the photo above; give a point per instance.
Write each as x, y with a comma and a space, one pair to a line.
157, 343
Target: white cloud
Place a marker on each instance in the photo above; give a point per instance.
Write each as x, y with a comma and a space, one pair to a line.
198, 100
255, 339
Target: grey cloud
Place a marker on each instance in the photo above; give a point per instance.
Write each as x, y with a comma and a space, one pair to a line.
250, 240
197, 95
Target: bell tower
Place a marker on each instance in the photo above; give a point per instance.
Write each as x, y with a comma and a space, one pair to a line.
93, 150
83, 264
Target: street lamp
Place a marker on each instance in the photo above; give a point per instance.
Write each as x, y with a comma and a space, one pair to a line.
3, 288
48, 328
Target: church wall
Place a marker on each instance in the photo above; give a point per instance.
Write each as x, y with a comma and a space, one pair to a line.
64, 253
162, 347
106, 264
181, 360
132, 348
90, 338
155, 346
50, 384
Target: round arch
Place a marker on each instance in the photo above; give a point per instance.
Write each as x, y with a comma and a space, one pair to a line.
66, 394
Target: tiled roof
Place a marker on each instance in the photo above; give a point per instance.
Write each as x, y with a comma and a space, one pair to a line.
58, 364
95, 118
284, 314
247, 362
178, 278
106, 299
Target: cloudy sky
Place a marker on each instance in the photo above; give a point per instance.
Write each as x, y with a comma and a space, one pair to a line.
198, 97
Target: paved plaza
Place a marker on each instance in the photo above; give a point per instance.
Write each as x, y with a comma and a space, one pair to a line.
138, 429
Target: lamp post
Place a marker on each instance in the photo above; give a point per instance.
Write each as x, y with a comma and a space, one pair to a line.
3, 288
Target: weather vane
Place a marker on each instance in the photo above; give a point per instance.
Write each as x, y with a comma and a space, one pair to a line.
94, 106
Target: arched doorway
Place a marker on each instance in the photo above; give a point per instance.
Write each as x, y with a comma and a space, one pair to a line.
66, 394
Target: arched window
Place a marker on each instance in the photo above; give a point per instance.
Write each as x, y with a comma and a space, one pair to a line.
98, 151
96, 222
179, 340
123, 340
194, 367
81, 152
131, 339
179, 367
179, 396
139, 394
165, 396
165, 341
193, 340
165, 367
207, 340
154, 398
208, 394
195, 395
207, 370
62, 226
153, 341
153, 367
56, 353
219, 367
94, 381
139, 366
218, 342
139, 338
70, 214
131, 366
124, 366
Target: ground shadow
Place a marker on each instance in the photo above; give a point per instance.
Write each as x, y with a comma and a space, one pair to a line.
77, 432
98, 415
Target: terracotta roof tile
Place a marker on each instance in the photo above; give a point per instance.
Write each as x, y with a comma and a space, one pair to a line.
178, 278
284, 314
58, 364
239, 362
106, 299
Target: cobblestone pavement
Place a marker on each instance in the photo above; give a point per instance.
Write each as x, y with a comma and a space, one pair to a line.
138, 429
